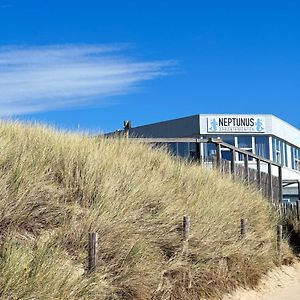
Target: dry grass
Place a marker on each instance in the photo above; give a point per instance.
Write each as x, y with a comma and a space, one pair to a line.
57, 187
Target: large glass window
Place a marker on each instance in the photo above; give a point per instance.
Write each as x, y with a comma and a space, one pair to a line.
245, 143
228, 140
296, 158
262, 146
183, 149
193, 150
209, 149
172, 148
285, 155
279, 151
225, 152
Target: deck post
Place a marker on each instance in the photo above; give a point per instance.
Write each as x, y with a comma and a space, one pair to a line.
246, 166
233, 163
198, 152
270, 184
298, 210
280, 194
218, 155
258, 169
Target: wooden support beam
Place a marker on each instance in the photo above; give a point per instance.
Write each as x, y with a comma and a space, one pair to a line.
298, 210
270, 183
280, 193
258, 169
198, 151
233, 155
218, 155
246, 166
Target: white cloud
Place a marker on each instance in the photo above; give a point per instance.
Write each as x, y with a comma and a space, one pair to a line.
44, 78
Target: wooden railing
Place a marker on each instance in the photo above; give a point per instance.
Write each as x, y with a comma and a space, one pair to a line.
269, 182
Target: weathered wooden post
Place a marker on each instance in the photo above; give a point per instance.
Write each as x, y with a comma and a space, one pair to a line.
280, 194
198, 152
246, 166
93, 250
186, 222
243, 227
258, 169
127, 127
232, 167
279, 243
298, 210
218, 155
270, 183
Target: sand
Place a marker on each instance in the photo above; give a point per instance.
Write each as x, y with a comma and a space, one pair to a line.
280, 284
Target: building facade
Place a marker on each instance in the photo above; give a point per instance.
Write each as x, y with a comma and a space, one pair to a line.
264, 135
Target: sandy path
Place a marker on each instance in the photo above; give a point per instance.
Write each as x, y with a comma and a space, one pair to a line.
280, 284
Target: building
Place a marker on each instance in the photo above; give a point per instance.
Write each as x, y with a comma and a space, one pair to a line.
264, 135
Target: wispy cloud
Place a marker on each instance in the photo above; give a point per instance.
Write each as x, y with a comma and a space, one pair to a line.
45, 78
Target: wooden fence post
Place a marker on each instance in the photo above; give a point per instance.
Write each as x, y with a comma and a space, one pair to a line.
233, 154
186, 228
218, 155
243, 227
93, 250
186, 222
280, 193
246, 166
258, 168
279, 243
270, 184
298, 210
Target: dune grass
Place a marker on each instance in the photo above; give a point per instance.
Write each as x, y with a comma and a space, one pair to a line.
57, 187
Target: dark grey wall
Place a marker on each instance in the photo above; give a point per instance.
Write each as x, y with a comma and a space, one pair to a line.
183, 127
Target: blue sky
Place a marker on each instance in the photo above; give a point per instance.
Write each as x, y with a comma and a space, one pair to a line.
92, 64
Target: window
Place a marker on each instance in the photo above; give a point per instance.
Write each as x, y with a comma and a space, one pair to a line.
245, 143
296, 158
279, 151
262, 146
172, 148
193, 150
225, 152
209, 149
183, 149
285, 154
228, 140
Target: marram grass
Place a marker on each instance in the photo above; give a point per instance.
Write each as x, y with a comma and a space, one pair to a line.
57, 187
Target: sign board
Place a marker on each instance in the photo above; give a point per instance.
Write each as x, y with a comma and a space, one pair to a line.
227, 124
